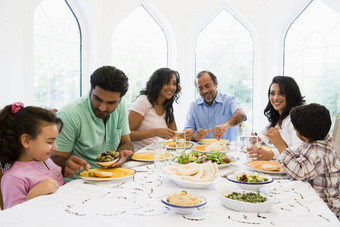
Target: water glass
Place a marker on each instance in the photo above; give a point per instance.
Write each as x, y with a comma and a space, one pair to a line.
160, 153
251, 143
180, 142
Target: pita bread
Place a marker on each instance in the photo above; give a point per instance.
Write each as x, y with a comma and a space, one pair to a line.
270, 167
193, 172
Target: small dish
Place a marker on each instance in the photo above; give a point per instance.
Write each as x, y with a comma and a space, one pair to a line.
244, 206
252, 186
184, 209
109, 163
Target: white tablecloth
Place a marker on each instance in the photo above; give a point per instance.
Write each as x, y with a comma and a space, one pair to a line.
136, 202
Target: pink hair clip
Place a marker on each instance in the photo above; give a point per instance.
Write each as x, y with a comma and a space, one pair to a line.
16, 107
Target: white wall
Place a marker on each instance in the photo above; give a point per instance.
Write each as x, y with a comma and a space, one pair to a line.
267, 21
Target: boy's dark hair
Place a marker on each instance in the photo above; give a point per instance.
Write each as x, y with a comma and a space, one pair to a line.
110, 78
311, 121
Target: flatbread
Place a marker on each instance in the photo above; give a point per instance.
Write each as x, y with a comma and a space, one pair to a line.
270, 167
193, 172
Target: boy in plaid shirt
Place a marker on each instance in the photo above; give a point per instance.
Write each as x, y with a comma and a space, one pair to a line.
315, 160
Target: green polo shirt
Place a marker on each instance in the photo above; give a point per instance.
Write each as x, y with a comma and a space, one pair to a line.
86, 135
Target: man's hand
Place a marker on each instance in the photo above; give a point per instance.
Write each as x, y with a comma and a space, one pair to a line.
74, 164
124, 154
220, 130
189, 133
202, 133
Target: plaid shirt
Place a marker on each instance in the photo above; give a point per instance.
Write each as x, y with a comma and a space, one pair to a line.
317, 163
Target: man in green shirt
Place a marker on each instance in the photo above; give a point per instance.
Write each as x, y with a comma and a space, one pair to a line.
94, 124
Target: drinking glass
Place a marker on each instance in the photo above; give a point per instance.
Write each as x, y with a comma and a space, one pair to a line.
251, 143
180, 142
160, 153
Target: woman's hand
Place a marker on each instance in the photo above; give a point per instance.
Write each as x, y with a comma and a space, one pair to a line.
165, 133
47, 186
261, 154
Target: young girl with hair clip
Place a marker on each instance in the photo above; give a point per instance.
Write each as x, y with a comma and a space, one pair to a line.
27, 138
152, 113
283, 94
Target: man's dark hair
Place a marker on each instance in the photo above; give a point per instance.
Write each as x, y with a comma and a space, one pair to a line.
212, 76
110, 78
311, 121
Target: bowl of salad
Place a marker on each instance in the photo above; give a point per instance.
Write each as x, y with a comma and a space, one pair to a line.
221, 159
245, 201
250, 181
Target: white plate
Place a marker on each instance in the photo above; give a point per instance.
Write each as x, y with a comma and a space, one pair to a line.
243, 206
184, 209
190, 184
249, 186
118, 174
263, 171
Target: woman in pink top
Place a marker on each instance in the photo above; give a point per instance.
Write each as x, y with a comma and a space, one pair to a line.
27, 138
152, 113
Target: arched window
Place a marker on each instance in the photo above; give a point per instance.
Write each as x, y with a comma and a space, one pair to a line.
139, 47
225, 48
57, 56
312, 48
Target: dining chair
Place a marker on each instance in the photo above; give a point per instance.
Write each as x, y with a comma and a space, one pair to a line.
336, 135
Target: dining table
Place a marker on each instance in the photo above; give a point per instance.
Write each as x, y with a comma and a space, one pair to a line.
136, 201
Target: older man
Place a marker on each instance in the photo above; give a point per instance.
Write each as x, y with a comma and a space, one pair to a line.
94, 124
213, 114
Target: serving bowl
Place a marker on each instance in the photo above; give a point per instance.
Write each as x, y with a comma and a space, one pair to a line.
190, 184
253, 186
183, 209
242, 206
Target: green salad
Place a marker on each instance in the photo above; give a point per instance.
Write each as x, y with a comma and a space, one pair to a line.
250, 197
198, 157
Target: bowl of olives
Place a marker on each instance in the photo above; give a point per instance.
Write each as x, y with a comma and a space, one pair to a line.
107, 158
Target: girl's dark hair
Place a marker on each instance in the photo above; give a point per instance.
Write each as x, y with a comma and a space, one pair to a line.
28, 120
155, 84
290, 89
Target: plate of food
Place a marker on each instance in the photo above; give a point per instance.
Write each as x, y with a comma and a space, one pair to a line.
245, 201
183, 202
271, 167
250, 181
221, 159
172, 145
213, 147
213, 140
146, 156
192, 175
101, 174
107, 158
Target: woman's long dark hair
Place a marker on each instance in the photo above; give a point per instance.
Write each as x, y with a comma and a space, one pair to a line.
155, 84
28, 120
288, 87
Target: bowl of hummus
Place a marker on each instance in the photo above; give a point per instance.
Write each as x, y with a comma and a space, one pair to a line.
183, 202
